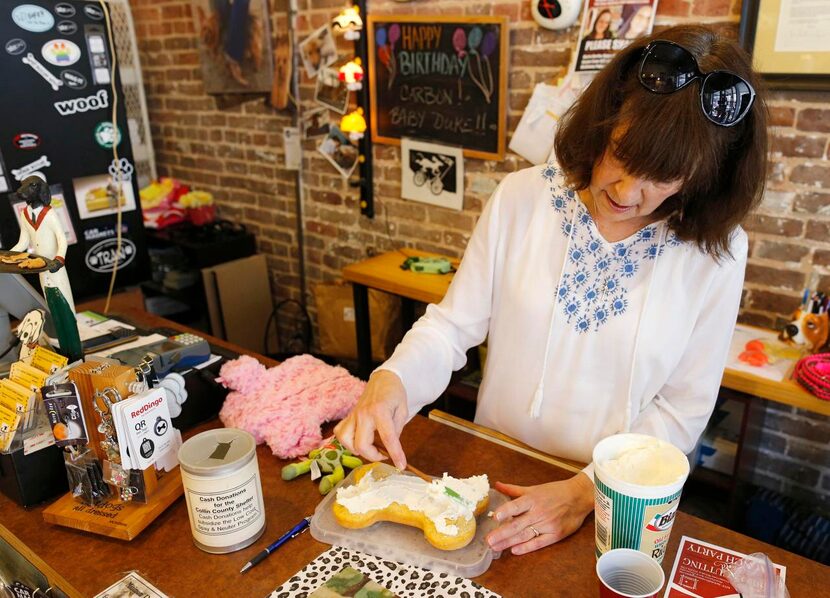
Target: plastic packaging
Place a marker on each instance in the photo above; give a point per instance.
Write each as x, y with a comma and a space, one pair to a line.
754, 577
406, 544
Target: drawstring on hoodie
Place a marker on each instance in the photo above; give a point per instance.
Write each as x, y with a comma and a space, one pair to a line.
538, 395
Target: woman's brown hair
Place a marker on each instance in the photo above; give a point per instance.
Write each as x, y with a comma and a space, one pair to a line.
667, 138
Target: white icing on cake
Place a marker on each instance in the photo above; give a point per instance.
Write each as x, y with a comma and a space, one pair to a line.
648, 462
371, 494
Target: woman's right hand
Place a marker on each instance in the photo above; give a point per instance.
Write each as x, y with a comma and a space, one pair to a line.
381, 408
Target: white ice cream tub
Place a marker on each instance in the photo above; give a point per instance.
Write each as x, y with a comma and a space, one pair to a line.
635, 515
223, 489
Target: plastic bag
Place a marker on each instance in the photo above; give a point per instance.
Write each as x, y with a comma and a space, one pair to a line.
754, 576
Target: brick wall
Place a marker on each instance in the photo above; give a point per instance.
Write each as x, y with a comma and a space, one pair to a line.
233, 147
229, 145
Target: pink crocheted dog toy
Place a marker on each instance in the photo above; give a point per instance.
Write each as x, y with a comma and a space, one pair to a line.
285, 405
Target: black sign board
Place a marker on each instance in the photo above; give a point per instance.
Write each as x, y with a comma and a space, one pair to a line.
57, 106
439, 78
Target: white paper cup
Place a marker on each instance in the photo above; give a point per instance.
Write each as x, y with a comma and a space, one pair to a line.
632, 515
627, 573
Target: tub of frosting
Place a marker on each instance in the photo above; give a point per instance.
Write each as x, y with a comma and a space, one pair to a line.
406, 544
638, 481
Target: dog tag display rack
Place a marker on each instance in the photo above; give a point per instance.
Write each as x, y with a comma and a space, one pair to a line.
112, 517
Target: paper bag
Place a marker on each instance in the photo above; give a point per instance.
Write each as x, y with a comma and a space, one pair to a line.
336, 321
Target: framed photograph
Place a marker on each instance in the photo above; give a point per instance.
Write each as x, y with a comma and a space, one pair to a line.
234, 45
331, 92
432, 173
338, 150
789, 42
318, 51
316, 123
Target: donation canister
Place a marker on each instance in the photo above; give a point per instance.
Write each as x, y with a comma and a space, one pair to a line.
223, 490
638, 481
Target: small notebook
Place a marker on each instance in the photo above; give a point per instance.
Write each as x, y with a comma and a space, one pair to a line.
402, 581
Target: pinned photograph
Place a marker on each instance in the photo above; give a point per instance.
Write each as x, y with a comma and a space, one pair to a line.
318, 51
316, 123
234, 45
98, 196
331, 92
338, 150
432, 173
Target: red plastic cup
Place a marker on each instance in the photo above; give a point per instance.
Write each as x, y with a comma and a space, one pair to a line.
627, 573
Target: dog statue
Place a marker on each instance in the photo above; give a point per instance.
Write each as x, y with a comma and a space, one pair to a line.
807, 328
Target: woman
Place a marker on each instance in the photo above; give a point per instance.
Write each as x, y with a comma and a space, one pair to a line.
636, 23
602, 26
608, 283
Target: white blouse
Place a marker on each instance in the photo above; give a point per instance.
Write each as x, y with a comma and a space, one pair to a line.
587, 338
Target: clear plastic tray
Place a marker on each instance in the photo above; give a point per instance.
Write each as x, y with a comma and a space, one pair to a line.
406, 544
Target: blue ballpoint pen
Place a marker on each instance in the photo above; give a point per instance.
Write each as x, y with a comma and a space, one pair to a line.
293, 532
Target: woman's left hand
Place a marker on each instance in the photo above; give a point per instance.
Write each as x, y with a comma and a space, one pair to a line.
541, 515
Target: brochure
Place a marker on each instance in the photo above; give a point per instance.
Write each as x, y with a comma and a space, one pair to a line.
698, 571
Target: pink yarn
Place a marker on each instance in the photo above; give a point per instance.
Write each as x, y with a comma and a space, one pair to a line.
284, 406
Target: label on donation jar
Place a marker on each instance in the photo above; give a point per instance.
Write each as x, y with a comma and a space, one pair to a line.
223, 489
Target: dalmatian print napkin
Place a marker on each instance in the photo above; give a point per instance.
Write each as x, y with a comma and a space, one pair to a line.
405, 581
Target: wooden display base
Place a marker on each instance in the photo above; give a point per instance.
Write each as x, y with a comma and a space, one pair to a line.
113, 518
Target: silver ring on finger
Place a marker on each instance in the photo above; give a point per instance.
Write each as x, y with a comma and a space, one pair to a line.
536, 532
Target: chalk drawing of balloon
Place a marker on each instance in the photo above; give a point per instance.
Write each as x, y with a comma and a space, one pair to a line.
383, 54
459, 42
488, 44
394, 34
380, 37
474, 39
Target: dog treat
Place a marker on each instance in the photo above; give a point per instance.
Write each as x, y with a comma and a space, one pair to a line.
382, 493
14, 258
32, 263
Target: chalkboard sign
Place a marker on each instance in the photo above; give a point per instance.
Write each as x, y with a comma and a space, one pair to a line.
439, 78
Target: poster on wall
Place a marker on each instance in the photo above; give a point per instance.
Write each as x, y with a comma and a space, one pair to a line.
439, 77
608, 26
432, 173
234, 45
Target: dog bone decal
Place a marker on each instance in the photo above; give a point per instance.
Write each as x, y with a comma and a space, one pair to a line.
24, 171
42, 71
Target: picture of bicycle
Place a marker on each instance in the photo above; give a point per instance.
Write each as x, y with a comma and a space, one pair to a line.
431, 169
432, 173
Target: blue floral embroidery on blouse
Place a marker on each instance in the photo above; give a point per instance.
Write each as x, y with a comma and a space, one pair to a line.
594, 287
559, 203
550, 172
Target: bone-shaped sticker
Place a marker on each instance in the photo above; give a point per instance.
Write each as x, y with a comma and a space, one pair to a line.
42, 71
24, 171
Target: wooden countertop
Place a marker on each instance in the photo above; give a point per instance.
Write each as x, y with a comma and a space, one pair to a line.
84, 564
166, 556
383, 272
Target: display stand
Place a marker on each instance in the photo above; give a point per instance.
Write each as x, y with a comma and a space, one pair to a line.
114, 518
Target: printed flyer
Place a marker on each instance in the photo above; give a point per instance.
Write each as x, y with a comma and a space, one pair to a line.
608, 26
698, 571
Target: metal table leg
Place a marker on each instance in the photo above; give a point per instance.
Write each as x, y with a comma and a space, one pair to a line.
362, 330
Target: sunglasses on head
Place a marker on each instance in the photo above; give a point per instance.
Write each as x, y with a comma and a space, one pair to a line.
666, 67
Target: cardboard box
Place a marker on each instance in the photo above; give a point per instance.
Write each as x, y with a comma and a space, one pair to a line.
238, 295
336, 321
